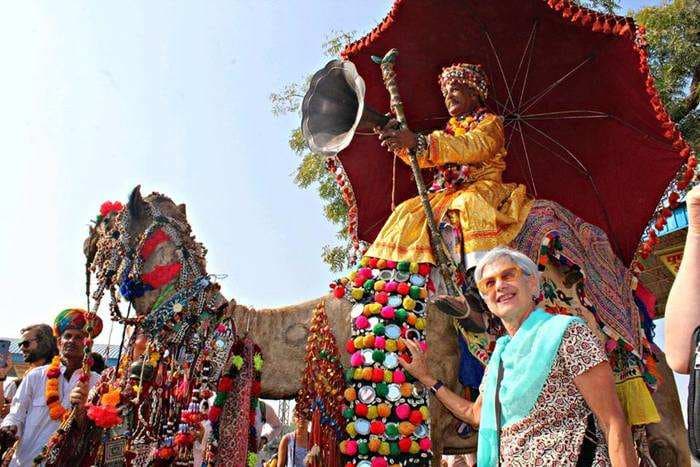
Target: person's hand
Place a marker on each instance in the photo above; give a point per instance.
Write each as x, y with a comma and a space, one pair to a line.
418, 366
692, 200
78, 396
6, 369
8, 435
394, 137
262, 443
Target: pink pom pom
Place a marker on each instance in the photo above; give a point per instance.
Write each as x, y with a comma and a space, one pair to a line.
390, 286
379, 342
390, 264
425, 444
403, 411
423, 346
610, 345
351, 447
399, 376
379, 462
357, 359
365, 272
361, 322
388, 312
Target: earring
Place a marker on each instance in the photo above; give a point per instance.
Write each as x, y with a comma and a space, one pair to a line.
535, 298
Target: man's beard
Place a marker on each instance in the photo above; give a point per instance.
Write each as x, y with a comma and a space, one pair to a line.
31, 357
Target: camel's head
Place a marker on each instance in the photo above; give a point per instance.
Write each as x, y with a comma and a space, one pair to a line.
145, 250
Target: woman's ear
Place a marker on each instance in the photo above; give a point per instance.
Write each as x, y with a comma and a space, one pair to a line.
533, 284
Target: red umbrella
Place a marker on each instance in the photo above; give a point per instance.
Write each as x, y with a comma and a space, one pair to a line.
584, 123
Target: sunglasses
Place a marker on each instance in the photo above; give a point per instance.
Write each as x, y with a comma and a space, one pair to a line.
25, 343
488, 284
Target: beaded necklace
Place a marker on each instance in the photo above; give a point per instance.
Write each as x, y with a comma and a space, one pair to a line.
452, 176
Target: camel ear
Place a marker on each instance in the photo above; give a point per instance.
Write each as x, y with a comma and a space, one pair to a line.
136, 204
90, 245
183, 209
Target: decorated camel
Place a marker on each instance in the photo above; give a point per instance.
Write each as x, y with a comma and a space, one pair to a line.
580, 273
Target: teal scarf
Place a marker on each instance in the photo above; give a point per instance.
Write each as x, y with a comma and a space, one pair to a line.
527, 361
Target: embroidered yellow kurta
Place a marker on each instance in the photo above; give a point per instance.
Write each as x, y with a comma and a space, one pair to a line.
491, 213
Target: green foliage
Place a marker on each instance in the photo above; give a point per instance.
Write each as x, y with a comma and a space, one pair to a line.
607, 6
311, 171
673, 34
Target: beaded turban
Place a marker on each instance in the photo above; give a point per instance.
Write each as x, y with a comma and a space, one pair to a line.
465, 73
75, 318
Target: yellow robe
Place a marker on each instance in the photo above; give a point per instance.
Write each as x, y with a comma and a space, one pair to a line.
491, 213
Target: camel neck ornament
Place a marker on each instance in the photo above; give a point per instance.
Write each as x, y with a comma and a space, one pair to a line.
183, 348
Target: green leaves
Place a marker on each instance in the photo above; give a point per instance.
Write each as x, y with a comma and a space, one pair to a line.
606, 6
311, 171
673, 35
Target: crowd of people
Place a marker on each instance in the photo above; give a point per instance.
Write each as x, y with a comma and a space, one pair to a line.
36, 403
32, 406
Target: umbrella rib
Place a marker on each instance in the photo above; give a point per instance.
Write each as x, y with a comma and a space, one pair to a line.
611, 237
529, 61
564, 114
500, 68
534, 100
588, 114
527, 159
557, 155
566, 150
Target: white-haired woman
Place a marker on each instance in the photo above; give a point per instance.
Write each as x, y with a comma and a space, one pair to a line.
548, 397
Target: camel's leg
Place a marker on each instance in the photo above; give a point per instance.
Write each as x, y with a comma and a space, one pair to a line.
668, 440
436, 431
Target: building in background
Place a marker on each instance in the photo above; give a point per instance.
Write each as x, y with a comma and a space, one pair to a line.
109, 353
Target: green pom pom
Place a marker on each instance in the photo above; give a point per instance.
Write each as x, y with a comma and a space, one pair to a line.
378, 356
394, 449
369, 285
252, 459
403, 266
257, 362
414, 292
362, 448
401, 315
220, 399
382, 389
391, 429
349, 375
237, 361
348, 413
378, 329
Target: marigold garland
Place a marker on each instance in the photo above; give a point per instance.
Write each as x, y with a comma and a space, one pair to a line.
52, 397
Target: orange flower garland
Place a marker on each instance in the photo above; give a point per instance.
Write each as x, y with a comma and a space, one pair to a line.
52, 397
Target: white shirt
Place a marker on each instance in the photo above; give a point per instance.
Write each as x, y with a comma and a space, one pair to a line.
270, 429
10, 388
30, 414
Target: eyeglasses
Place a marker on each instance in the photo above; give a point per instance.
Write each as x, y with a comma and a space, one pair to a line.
25, 343
488, 284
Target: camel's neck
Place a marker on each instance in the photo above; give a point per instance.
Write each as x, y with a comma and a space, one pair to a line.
281, 334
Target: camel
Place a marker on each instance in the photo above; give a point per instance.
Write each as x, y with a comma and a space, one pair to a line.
282, 333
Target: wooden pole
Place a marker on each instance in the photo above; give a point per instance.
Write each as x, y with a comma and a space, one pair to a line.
444, 264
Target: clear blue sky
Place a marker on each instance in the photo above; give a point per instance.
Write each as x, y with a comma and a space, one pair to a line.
97, 97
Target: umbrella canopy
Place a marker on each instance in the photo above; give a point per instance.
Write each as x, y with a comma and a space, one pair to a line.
584, 123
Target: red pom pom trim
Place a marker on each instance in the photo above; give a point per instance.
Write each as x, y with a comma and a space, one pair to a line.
104, 416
